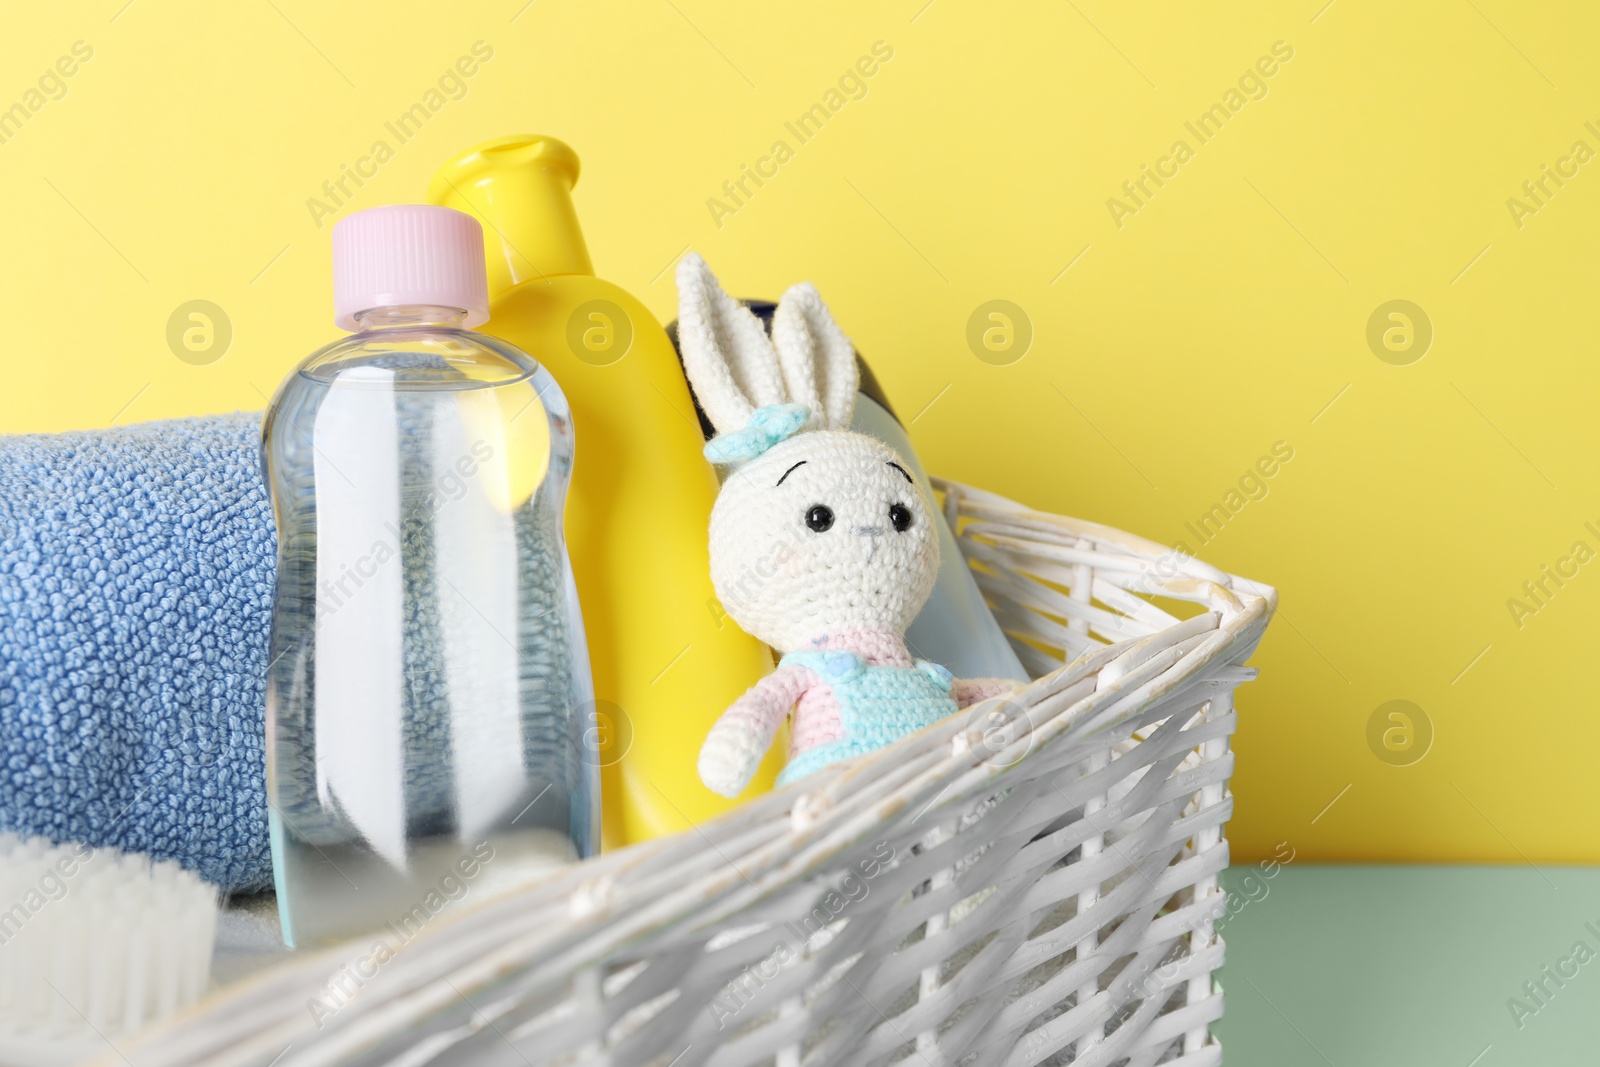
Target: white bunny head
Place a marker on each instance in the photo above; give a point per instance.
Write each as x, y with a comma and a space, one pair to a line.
817, 530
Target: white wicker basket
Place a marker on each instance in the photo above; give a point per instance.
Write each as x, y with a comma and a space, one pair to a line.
1032, 882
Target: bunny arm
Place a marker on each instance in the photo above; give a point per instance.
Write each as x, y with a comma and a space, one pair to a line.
734, 746
970, 691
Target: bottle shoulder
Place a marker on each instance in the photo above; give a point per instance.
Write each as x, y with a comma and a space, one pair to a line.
423, 358
423, 371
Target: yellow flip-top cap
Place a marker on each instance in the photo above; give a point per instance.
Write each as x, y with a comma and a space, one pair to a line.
520, 189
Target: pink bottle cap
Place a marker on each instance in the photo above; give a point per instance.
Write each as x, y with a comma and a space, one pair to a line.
406, 255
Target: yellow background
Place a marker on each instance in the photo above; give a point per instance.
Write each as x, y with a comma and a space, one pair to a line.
1222, 317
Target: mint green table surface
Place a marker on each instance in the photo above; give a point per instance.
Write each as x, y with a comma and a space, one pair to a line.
1367, 966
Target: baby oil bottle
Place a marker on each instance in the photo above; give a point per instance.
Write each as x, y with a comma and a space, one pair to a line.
429, 707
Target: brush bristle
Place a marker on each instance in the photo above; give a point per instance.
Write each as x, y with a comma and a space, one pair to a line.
97, 941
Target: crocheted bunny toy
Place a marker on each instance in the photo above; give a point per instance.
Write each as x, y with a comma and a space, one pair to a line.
822, 544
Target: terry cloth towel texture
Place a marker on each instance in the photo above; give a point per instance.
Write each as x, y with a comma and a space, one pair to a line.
136, 576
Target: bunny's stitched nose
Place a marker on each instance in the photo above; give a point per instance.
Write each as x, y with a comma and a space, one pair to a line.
871, 533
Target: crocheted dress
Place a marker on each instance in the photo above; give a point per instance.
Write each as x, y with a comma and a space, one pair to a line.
876, 704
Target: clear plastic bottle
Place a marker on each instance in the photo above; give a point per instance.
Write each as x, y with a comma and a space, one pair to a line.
429, 706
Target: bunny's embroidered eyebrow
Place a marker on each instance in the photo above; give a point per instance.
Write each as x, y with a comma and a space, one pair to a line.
897, 467
790, 471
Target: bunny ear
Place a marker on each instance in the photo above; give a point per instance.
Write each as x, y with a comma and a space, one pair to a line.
726, 354
819, 363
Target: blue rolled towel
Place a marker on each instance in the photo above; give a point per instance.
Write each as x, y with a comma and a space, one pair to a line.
136, 576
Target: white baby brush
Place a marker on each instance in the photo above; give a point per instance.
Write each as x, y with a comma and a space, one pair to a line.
94, 944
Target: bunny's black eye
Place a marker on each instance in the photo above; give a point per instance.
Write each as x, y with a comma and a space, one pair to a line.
820, 518
900, 516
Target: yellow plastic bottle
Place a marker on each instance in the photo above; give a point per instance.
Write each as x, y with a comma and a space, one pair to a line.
665, 660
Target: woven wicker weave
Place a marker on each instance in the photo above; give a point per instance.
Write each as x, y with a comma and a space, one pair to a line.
1033, 881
